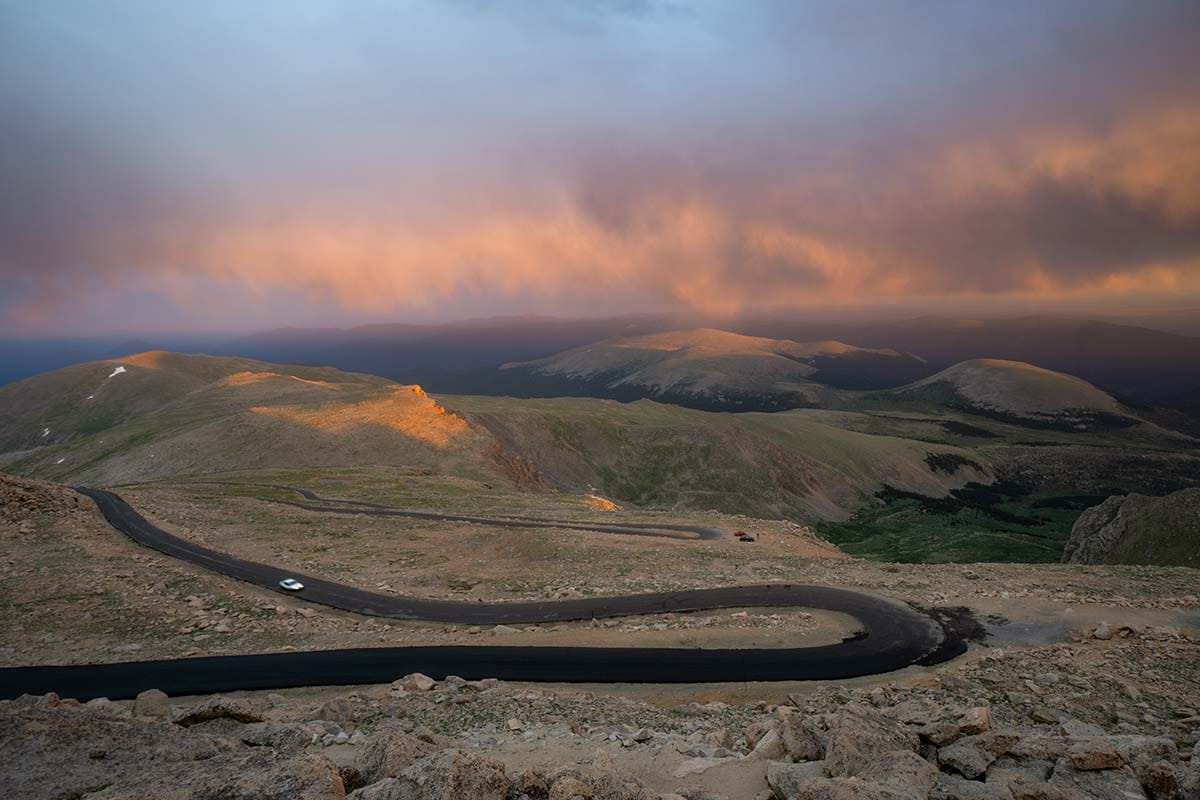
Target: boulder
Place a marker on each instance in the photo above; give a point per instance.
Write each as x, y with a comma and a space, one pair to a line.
858, 735
940, 733
388, 751
531, 782
800, 738
902, 769
1110, 784
1074, 727
769, 747
1040, 748
975, 721
339, 711
966, 758
416, 682
1141, 752
1093, 754
918, 711
568, 787
218, 707
971, 722
279, 735
1162, 781
152, 703
951, 787
848, 789
1005, 771
1189, 781
787, 780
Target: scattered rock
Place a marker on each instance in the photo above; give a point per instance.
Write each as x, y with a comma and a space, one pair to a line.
66, 753
447, 775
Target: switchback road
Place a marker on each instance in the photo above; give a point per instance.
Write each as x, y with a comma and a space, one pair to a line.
893, 635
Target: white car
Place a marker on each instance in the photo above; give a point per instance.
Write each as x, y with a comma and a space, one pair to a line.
291, 584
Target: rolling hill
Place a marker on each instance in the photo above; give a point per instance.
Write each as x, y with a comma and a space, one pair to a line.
1152, 367
159, 414
1021, 393
710, 369
974, 462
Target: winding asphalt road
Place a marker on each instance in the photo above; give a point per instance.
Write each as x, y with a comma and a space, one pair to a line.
653, 529
893, 635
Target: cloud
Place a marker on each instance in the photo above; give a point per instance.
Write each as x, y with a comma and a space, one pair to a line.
629, 153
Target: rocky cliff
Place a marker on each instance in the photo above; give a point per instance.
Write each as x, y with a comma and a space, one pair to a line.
1136, 529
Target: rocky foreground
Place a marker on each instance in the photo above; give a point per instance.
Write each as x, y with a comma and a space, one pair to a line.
1059, 722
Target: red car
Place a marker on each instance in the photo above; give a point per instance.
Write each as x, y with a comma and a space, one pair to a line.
744, 537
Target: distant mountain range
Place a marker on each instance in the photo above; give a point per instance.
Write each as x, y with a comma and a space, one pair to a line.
1140, 365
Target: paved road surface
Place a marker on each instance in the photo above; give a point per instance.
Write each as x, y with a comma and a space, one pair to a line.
655, 529
893, 636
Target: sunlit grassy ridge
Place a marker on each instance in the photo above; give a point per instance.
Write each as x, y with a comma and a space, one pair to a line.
890, 474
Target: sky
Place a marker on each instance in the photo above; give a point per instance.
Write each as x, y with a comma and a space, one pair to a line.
234, 165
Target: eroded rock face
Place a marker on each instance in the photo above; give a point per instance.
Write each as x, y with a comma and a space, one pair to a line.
76, 751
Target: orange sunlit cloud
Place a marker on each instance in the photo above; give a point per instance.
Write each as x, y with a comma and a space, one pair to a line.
690, 181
